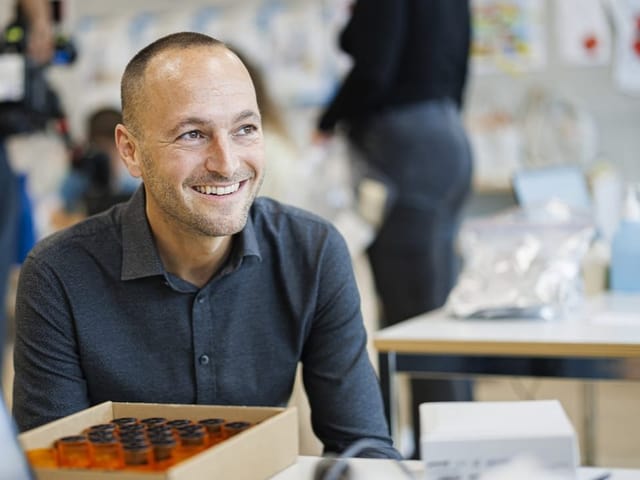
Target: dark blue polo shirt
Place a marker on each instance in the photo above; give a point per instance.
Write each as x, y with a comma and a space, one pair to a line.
99, 318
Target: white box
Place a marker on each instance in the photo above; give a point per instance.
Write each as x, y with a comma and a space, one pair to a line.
461, 440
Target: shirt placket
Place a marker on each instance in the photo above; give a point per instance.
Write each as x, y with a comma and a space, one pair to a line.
203, 358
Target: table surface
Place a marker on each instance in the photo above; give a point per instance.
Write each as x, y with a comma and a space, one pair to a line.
607, 326
387, 470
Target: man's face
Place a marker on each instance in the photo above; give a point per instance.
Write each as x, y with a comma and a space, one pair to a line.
199, 147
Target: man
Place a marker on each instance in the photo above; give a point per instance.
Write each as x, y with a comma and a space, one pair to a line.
193, 291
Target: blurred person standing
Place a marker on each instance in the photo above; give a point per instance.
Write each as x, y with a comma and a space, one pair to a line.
282, 180
97, 178
400, 107
40, 49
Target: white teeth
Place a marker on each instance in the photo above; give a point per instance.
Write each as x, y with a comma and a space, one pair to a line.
209, 190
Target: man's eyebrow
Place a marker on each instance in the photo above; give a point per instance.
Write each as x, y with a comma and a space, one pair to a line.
248, 114
187, 123
201, 122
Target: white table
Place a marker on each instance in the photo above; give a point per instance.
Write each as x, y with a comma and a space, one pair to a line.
596, 343
364, 469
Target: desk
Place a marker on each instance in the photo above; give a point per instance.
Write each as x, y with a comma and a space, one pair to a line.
596, 343
387, 470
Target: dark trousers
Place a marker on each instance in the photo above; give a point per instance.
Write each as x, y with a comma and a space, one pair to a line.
423, 153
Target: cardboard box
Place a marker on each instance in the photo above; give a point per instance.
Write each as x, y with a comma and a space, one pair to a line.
465, 439
256, 453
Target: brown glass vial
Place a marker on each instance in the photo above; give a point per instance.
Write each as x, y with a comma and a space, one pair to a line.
153, 421
190, 443
73, 451
138, 456
124, 421
179, 422
43, 457
214, 429
230, 429
164, 451
104, 428
131, 429
106, 452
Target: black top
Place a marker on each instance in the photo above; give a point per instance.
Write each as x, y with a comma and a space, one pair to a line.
99, 318
404, 51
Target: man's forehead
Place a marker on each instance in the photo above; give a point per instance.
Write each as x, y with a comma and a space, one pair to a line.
196, 83
216, 62
195, 55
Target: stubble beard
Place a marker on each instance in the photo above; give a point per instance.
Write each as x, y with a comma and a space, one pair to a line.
178, 211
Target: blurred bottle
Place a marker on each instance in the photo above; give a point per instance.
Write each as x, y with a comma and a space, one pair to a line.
164, 452
138, 456
73, 451
625, 247
43, 457
106, 452
214, 429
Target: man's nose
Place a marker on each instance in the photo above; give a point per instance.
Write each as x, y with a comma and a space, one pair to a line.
221, 157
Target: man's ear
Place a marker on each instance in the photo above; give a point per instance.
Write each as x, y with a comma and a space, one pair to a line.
128, 150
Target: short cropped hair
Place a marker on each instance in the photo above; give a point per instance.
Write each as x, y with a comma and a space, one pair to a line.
132, 82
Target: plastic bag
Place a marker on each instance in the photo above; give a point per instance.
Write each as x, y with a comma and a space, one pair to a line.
522, 263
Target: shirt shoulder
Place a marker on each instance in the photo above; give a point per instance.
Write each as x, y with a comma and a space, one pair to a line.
295, 233
271, 216
99, 234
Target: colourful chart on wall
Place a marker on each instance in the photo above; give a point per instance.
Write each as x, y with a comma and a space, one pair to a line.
508, 36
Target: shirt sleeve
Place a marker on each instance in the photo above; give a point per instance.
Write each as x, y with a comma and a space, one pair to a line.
48, 382
343, 390
373, 37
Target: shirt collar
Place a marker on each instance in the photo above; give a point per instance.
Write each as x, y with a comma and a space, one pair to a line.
249, 245
140, 257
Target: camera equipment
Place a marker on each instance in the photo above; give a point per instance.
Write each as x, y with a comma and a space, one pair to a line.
27, 102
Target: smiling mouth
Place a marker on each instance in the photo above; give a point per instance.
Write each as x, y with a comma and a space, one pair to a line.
217, 191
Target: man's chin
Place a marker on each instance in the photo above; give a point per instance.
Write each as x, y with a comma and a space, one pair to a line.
224, 227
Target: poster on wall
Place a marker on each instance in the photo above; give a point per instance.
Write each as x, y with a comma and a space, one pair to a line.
508, 36
584, 39
301, 69
626, 67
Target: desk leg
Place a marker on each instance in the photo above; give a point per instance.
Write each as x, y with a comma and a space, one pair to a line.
589, 422
387, 367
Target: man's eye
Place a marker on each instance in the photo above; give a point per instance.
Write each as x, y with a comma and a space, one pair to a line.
247, 130
192, 135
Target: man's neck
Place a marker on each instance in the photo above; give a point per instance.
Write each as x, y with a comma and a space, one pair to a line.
194, 258
198, 263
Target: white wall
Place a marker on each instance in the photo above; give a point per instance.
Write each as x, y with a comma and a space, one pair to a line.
616, 115
293, 42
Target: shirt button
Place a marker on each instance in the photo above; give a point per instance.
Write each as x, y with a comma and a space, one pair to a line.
204, 359
200, 299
